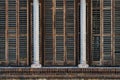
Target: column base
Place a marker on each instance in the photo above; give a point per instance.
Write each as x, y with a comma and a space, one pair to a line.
83, 65
36, 66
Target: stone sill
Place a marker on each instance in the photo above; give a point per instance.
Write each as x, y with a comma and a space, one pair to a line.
60, 72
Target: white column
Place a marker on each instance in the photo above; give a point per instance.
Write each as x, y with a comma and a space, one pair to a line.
36, 63
83, 63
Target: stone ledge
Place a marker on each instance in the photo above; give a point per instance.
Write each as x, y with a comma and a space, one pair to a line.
73, 73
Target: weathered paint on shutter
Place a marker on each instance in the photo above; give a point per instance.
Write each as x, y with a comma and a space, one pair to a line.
105, 18
48, 32
70, 32
23, 32
101, 32
59, 32
2, 32
14, 32
107, 51
95, 38
117, 32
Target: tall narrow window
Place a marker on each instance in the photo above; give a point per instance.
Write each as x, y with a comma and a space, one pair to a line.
59, 32
14, 33
105, 32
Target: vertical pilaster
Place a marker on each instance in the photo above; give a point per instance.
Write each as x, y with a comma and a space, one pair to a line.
83, 63
36, 63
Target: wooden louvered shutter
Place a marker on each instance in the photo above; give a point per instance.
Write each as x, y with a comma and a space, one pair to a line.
106, 32
95, 31
59, 32
23, 32
70, 32
2, 32
107, 51
14, 31
48, 32
101, 32
116, 32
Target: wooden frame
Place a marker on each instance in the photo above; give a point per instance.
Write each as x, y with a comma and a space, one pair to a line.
101, 32
17, 32
6, 45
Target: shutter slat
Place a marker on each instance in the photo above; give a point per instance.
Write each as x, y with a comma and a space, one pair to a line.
23, 21
2, 3
12, 49
96, 21
70, 48
107, 21
96, 48
48, 48
48, 21
107, 48
23, 49
12, 18
70, 21
59, 3
59, 48
70, 4
59, 21
107, 3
